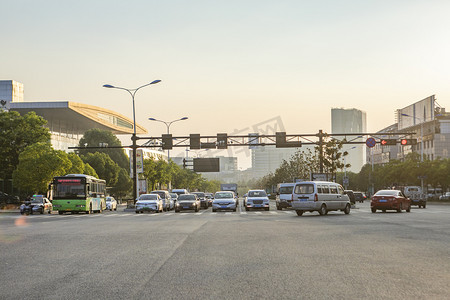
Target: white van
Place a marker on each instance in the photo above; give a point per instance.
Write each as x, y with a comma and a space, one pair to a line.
320, 196
284, 195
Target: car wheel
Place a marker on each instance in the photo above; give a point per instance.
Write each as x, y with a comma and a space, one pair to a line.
279, 207
235, 209
247, 209
299, 212
60, 212
408, 209
374, 210
323, 210
214, 210
383, 210
424, 206
42, 211
347, 209
137, 212
196, 209
399, 209
266, 208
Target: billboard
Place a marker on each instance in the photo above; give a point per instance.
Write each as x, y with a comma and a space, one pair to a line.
206, 165
414, 114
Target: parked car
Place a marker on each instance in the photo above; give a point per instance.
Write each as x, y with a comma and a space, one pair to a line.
390, 199
166, 198
149, 202
187, 202
257, 199
360, 196
224, 200
8, 200
446, 196
320, 196
283, 199
111, 203
202, 197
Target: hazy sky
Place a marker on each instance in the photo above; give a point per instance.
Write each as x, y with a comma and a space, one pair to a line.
228, 65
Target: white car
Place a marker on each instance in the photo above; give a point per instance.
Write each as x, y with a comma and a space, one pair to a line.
257, 199
111, 203
224, 200
149, 202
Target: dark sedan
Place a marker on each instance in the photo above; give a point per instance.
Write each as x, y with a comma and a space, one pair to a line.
390, 200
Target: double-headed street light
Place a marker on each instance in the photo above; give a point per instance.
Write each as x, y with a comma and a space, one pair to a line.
133, 137
168, 128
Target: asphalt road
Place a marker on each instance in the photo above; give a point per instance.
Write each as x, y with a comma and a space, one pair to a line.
227, 255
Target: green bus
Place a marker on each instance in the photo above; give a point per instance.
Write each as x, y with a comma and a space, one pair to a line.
78, 193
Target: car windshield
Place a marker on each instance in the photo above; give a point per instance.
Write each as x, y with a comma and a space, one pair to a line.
386, 193
223, 195
186, 197
200, 194
149, 197
160, 193
257, 194
286, 189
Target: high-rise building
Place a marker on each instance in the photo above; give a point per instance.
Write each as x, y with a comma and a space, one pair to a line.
10, 91
350, 121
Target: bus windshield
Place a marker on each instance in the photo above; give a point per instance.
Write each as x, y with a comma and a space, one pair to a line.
69, 189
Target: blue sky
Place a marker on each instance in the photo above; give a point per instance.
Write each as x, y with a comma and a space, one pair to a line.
230, 64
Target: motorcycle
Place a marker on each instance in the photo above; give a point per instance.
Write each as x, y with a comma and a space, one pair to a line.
26, 208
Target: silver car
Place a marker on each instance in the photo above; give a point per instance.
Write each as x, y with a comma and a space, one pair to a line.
149, 202
257, 199
111, 203
224, 200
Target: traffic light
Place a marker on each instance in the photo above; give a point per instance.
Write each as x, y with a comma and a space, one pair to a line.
167, 142
388, 142
222, 141
280, 141
194, 141
406, 142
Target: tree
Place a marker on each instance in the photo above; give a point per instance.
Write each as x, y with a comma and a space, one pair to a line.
124, 184
77, 164
38, 164
95, 138
16, 133
104, 166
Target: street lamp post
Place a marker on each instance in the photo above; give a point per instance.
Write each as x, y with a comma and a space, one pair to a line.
133, 137
168, 128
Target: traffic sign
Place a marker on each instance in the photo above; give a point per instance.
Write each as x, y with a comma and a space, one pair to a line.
370, 142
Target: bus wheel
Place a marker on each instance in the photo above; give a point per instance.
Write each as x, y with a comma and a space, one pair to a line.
90, 210
60, 212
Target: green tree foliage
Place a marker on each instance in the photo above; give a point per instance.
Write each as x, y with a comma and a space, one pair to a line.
94, 137
88, 170
38, 164
124, 184
16, 133
104, 166
77, 164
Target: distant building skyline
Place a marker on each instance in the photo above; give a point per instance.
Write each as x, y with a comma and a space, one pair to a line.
350, 120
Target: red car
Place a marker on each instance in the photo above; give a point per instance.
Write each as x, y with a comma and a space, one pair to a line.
390, 199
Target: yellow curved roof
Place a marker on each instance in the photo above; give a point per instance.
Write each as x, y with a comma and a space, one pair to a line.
79, 117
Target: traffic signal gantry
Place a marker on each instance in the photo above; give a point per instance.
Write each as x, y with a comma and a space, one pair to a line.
279, 140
